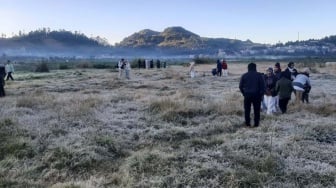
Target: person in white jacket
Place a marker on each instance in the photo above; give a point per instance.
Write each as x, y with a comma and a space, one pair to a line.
299, 83
127, 69
121, 67
192, 69
9, 70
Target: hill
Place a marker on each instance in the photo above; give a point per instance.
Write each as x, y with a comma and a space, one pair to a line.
181, 39
44, 42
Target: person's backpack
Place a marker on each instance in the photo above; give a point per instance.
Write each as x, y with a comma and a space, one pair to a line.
214, 71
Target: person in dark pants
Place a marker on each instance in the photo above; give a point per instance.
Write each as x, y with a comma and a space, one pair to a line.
9, 70
219, 68
252, 86
139, 63
284, 89
158, 64
2, 81
305, 94
151, 64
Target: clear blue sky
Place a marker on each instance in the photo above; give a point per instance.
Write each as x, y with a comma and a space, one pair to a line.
264, 21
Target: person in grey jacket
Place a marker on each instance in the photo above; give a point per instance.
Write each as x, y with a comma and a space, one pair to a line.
9, 70
252, 86
299, 83
284, 89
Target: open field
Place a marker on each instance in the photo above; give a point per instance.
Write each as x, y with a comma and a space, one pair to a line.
87, 128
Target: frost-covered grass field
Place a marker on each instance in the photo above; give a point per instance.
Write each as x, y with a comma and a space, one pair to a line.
87, 128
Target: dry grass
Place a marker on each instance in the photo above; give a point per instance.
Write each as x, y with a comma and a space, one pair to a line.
87, 128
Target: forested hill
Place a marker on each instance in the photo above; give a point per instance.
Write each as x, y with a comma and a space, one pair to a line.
179, 38
46, 42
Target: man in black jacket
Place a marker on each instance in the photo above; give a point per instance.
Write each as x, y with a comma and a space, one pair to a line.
2, 81
252, 86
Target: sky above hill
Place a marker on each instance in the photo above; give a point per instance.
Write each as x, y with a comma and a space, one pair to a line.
263, 21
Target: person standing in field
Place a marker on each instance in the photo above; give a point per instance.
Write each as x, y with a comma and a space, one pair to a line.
219, 68
292, 70
224, 67
9, 70
121, 67
139, 63
277, 73
127, 69
269, 96
284, 89
151, 64
277, 70
147, 63
252, 86
2, 81
192, 69
158, 64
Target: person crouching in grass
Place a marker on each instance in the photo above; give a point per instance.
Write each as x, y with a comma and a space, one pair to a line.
299, 83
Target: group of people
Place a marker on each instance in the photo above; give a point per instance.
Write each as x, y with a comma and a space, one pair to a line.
124, 66
273, 89
221, 68
149, 64
6, 70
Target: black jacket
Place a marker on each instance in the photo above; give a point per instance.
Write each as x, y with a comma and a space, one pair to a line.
293, 73
252, 84
2, 76
270, 82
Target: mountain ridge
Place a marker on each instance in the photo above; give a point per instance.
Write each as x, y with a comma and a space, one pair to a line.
174, 40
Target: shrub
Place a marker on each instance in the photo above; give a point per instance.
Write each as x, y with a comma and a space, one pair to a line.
83, 65
204, 61
101, 66
63, 67
42, 67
